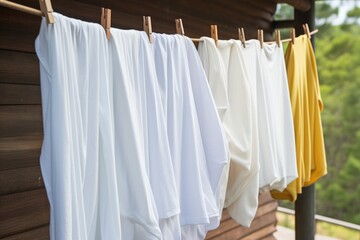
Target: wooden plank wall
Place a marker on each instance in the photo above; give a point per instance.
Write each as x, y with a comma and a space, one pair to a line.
24, 208
262, 227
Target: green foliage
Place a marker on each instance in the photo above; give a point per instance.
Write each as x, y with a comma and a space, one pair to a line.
325, 10
339, 232
284, 12
338, 59
285, 220
354, 13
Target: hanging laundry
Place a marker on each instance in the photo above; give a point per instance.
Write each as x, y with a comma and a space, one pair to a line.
151, 141
275, 84
306, 106
212, 133
269, 172
197, 143
133, 145
257, 119
239, 123
217, 77
78, 145
216, 72
266, 69
146, 182
94, 97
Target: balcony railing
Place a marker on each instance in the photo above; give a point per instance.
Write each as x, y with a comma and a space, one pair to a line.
322, 219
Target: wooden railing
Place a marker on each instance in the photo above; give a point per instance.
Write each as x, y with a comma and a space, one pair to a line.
320, 218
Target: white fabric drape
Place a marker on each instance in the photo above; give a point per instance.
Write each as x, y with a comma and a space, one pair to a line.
77, 158
133, 146
198, 155
250, 88
266, 67
272, 65
138, 137
133, 97
240, 124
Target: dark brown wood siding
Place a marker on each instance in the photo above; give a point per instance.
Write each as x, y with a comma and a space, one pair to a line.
24, 208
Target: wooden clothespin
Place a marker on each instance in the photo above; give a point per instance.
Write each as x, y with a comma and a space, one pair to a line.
214, 34
306, 30
261, 37
106, 21
242, 36
179, 26
148, 27
277, 37
47, 10
292, 35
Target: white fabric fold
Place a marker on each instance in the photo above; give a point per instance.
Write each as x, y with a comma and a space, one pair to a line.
136, 156
133, 142
76, 150
240, 125
276, 135
196, 139
273, 65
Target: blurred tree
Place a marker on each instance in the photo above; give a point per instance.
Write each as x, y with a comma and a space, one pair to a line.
354, 13
338, 193
324, 10
284, 12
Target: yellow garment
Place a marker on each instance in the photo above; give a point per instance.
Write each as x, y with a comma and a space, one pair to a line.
306, 106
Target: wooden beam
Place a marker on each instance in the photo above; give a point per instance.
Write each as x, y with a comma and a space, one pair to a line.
283, 24
301, 5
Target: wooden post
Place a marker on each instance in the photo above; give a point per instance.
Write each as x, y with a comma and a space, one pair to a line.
305, 203
305, 214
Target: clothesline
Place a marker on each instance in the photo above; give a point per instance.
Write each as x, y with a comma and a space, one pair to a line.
282, 40
46, 10
45, 6
236, 130
21, 8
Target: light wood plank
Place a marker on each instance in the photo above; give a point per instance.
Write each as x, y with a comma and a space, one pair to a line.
265, 198
266, 205
239, 231
266, 208
270, 237
260, 234
224, 227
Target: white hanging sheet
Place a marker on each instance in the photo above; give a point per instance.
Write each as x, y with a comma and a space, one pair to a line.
77, 147
276, 83
199, 155
239, 123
